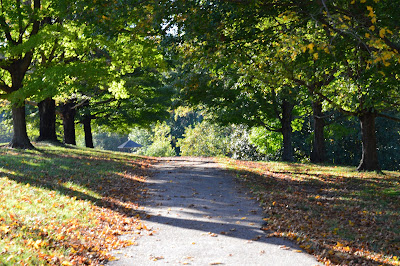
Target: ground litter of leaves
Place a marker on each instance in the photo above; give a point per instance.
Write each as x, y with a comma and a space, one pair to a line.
68, 206
336, 213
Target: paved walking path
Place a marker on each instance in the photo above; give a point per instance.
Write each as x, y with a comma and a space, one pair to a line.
201, 216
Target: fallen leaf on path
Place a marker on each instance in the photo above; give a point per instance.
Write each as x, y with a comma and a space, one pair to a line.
153, 258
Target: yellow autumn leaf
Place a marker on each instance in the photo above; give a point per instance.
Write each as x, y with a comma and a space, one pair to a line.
386, 55
372, 28
5, 229
382, 33
363, 1
66, 263
373, 20
315, 56
311, 46
367, 35
369, 8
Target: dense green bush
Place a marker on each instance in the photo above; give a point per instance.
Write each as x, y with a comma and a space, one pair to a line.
204, 139
160, 142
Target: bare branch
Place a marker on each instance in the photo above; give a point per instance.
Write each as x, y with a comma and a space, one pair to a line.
83, 102
36, 22
7, 30
389, 117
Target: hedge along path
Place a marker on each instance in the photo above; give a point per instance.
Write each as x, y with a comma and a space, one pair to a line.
199, 215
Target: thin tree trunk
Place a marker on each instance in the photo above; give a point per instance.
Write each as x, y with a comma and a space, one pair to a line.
286, 121
87, 127
68, 117
47, 127
20, 138
318, 150
369, 160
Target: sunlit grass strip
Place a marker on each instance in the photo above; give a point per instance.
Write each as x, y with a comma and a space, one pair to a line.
67, 206
340, 215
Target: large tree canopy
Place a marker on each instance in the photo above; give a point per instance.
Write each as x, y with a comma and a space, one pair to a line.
51, 48
345, 54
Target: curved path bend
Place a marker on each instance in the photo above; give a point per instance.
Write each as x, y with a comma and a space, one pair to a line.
200, 215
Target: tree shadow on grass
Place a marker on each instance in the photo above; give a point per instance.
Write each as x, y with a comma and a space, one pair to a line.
117, 183
341, 216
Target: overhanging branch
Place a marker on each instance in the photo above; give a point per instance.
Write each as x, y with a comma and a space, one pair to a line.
389, 117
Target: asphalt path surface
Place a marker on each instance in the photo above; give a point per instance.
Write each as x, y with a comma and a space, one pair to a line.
198, 214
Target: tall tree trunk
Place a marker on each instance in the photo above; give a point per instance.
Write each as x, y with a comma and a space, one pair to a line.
286, 122
20, 138
17, 69
87, 127
318, 150
47, 127
68, 117
369, 160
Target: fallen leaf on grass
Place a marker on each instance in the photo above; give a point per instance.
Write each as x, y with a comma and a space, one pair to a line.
319, 208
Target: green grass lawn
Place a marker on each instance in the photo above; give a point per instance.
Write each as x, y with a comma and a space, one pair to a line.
336, 213
67, 206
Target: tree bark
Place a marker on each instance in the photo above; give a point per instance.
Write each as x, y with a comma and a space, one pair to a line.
87, 127
20, 138
17, 69
369, 160
286, 122
47, 127
318, 150
68, 117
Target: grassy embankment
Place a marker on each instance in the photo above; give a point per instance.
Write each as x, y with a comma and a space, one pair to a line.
67, 206
336, 213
